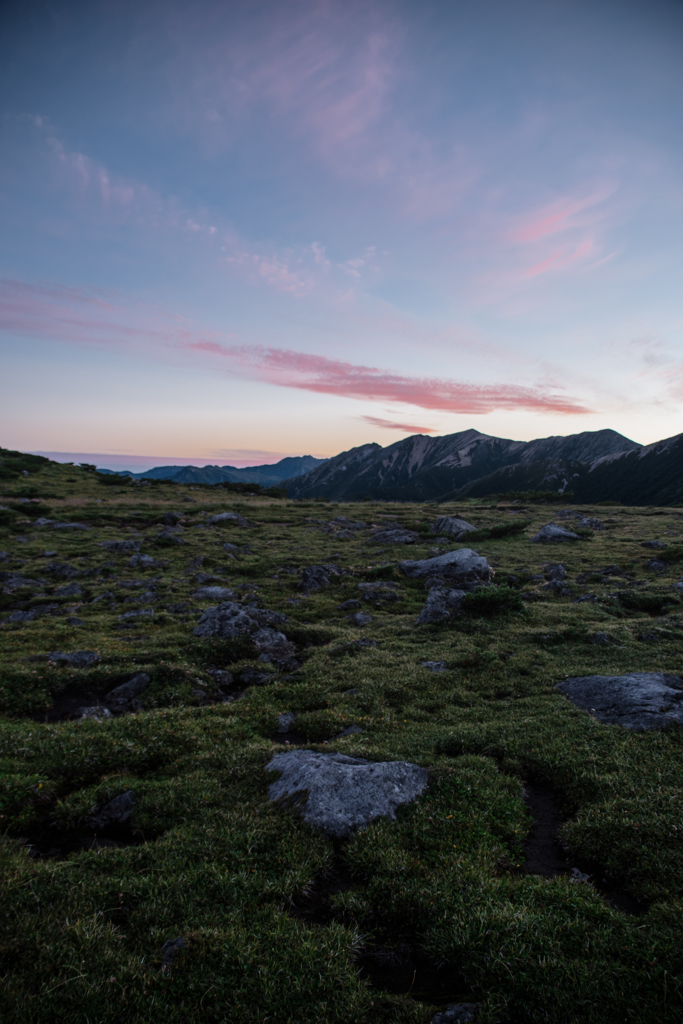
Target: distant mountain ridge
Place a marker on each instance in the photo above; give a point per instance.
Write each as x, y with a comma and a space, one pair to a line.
267, 476
468, 463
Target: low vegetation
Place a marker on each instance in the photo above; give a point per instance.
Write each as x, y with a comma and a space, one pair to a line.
210, 903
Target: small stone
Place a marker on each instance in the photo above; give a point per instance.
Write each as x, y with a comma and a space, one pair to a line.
98, 711
453, 527
315, 577
79, 659
74, 621
434, 666
255, 677
352, 730
657, 565
602, 639
579, 876
213, 594
551, 533
222, 678
121, 546
143, 562
136, 685
285, 721
171, 518
360, 619
441, 605
346, 606
463, 567
657, 544
457, 1013
394, 536
555, 571
650, 638
225, 518
70, 526
116, 812
69, 590
147, 612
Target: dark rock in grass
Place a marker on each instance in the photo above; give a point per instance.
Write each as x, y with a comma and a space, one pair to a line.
338, 793
207, 577
584, 598
346, 606
457, 1013
441, 604
13, 581
657, 565
144, 562
394, 536
551, 533
650, 638
450, 526
657, 544
62, 569
228, 519
555, 571
231, 619
116, 812
602, 639
434, 666
638, 701
171, 518
351, 730
255, 677
136, 685
221, 677
377, 592
98, 712
145, 612
172, 947
464, 567
170, 535
347, 524
678, 587
79, 659
274, 646
359, 619
315, 577
213, 594
74, 621
69, 590
558, 588
70, 526
231, 549
587, 523
120, 547
285, 721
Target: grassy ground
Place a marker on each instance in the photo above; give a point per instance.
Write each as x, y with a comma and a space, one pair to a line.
279, 922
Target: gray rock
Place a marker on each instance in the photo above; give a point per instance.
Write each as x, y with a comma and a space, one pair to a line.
172, 947
222, 677
394, 536
346, 606
658, 565
347, 524
116, 812
338, 793
457, 1013
62, 570
73, 621
13, 581
377, 592
551, 533
360, 619
43, 522
231, 619
678, 587
69, 590
638, 701
143, 562
171, 518
255, 677
657, 544
464, 567
351, 730
285, 721
228, 518
602, 639
558, 588
273, 644
650, 638
136, 685
140, 612
70, 526
147, 595
555, 571
213, 593
451, 526
4, 555
98, 712
315, 577
441, 604
171, 534
79, 659
119, 547
434, 666
587, 523
206, 577
22, 616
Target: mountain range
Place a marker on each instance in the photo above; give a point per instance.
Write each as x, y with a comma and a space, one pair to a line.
596, 466
266, 476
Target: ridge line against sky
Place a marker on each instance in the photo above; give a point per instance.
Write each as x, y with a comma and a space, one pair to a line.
244, 227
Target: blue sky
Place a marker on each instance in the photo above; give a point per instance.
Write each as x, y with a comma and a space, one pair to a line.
234, 232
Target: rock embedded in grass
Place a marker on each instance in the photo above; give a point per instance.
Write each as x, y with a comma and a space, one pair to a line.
394, 536
213, 593
340, 794
640, 700
79, 659
551, 533
315, 577
441, 604
116, 812
227, 518
451, 526
464, 567
119, 547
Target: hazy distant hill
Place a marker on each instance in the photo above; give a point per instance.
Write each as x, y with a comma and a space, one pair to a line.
267, 476
421, 468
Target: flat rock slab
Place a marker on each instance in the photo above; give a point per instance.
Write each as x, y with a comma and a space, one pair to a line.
638, 701
551, 533
339, 794
461, 566
451, 526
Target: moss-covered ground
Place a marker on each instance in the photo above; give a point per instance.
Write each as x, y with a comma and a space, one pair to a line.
432, 908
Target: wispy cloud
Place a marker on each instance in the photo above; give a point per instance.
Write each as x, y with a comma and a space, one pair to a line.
406, 428
75, 316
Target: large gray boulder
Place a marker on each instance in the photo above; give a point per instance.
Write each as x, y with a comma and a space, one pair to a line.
638, 701
230, 619
551, 533
451, 526
441, 605
464, 567
339, 794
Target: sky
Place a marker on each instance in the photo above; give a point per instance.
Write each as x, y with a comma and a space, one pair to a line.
236, 231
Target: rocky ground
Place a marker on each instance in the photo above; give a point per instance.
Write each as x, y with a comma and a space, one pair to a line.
270, 760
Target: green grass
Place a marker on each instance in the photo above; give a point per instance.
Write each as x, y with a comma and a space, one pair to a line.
210, 859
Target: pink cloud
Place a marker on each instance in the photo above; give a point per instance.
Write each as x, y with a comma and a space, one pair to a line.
556, 217
561, 259
407, 428
73, 316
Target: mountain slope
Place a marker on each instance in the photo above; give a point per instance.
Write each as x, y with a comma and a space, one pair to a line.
421, 468
267, 476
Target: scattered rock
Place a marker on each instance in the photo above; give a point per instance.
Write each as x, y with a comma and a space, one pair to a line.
144, 612
394, 536
451, 527
255, 677
221, 677
347, 524
171, 519
584, 598
558, 588
441, 604
346, 606
657, 544
144, 562
79, 659
206, 577
231, 549
360, 619
70, 526
119, 547
457, 1013
230, 619
74, 621
434, 666
62, 570
116, 812
587, 523
464, 567
225, 518
171, 535
136, 685
555, 571
285, 721
678, 587
213, 593
41, 522
650, 638
338, 793
377, 592
172, 947
317, 576
69, 590
98, 712
551, 533
638, 701
351, 730
602, 639
274, 645
657, 565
